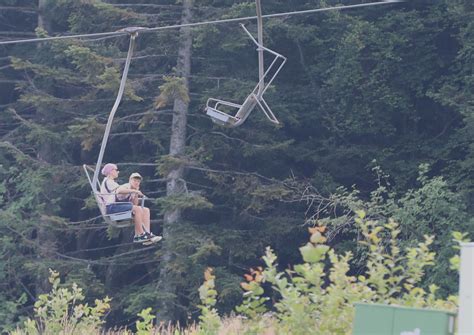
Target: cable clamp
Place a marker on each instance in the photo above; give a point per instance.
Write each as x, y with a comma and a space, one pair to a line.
133, 30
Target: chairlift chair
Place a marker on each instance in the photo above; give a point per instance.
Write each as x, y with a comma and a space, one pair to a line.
123, 219
118, 220
255, 98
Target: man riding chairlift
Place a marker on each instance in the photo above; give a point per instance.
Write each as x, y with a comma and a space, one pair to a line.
124, 198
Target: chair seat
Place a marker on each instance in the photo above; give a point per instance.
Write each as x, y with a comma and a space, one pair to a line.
218, 117
226, 120
119, 220
120, 216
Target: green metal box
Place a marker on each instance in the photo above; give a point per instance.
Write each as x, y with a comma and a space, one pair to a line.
378, 319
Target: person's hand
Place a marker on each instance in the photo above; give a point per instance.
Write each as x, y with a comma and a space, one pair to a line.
139, 193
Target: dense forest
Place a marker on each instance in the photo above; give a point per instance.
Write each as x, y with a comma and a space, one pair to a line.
376, 110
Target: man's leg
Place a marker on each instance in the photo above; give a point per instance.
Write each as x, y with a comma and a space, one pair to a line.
146, 218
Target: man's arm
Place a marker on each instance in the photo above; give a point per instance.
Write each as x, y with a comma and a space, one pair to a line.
124, 189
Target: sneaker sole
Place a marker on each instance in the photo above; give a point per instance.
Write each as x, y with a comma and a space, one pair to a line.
150, 242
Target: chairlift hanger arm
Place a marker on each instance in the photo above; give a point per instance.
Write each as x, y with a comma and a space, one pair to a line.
261, 46
133, 35
260, 50
196, 24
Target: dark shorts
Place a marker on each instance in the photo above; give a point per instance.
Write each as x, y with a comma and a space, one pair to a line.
118, 207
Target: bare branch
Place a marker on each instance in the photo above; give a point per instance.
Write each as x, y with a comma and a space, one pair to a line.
17, 33
11, 81
31, 10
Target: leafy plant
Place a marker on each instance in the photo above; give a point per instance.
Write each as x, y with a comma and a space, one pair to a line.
60, 312
320, 293
209, 319
145, 327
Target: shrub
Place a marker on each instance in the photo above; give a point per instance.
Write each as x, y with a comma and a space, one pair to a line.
319, 294
60, 312
314, 297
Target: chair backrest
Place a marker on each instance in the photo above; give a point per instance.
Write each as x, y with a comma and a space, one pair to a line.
246, 108
100, 202
95, 191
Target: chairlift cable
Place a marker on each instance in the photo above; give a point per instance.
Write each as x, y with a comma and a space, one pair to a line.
196, 24
108, 260
104, 261
71, 253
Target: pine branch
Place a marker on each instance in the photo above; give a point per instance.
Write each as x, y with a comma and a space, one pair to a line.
10, 146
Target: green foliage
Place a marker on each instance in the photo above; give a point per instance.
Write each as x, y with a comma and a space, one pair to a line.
319, 294
85, 15
63, 75
458, 237
109, 80
209, 319
315, 295
8, 311
144, 327
431, 208
89, 131
167, 163
60, 311
173, 88
254, 302
87, 62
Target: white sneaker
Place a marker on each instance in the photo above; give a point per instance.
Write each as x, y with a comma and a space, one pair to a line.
152, 238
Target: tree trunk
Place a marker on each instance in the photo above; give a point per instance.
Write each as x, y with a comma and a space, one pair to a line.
42, 22
45, 236
175, 182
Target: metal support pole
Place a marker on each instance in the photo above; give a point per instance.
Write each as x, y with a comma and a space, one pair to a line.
466, 290
260, 50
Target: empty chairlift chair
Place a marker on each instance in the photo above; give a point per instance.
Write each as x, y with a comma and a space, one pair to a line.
214, 107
